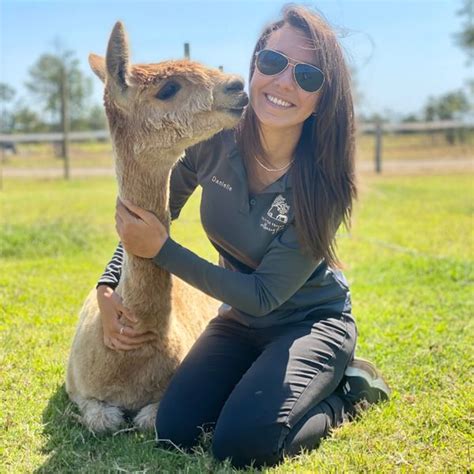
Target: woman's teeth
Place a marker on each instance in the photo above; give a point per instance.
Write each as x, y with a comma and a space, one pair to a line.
277, 101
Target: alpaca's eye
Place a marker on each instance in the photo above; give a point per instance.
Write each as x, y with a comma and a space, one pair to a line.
168, 90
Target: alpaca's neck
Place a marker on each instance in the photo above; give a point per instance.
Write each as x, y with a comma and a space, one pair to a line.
145, 287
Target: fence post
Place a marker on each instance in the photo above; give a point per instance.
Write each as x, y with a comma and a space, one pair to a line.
378, 146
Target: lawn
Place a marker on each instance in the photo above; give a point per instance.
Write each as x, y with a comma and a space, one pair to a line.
408, 259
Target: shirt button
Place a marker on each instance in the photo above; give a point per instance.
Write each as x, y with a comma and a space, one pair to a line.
253, 202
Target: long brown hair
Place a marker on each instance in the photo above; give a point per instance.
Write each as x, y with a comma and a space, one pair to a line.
323, 177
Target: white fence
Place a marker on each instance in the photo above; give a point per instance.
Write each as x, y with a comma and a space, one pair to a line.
10, 141
54, 137
362, 127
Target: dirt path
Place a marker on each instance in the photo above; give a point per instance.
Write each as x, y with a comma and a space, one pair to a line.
398, 167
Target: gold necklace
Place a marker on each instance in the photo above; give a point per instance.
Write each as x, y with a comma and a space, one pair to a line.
275, 169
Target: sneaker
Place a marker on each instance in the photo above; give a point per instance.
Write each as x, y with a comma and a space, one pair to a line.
362, 381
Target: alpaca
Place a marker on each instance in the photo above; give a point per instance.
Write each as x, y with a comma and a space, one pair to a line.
155, 112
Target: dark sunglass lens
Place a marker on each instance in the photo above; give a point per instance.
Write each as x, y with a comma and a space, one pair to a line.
308, 77
270, 62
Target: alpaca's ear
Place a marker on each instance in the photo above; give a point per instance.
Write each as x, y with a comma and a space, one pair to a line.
97, 64
117, 58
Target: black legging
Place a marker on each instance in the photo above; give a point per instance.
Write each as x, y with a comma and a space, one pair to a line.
267, 392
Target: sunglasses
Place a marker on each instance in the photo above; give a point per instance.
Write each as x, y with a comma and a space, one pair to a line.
308, 77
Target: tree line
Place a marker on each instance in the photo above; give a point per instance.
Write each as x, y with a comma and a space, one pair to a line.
53, 78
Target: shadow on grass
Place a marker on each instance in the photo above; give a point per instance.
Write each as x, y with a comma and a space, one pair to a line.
72, 448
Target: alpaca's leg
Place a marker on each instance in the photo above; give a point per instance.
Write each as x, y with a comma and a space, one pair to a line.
99, 416
145, 418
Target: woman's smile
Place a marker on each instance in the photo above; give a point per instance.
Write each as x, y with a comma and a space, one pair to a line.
276, 101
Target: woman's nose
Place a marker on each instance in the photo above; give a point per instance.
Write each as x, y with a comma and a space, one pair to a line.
286, 79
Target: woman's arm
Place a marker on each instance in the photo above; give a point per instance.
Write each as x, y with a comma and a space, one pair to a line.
283, 270
113, 270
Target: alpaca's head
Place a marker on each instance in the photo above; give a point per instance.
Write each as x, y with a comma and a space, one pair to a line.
158, 110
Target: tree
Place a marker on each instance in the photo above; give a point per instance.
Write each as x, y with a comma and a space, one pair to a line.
49, 75
410, 118
93, 119
450, 106
97, 119
18, 117
465, 38
25, 120
7, 94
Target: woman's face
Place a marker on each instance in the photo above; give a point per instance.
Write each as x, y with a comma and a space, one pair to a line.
299, 104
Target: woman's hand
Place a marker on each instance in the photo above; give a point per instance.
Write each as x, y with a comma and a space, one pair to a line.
118, 322
140, 231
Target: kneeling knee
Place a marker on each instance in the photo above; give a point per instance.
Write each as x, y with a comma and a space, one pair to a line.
245, 447
174, 434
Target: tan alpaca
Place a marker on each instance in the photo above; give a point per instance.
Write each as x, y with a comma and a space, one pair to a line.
155, 111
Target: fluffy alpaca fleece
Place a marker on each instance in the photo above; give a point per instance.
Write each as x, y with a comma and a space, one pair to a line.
148, 136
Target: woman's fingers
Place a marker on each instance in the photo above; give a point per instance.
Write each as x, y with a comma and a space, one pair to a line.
123, 328
128, 315
129, 333
123, 311
136, 341
124, 343
133, 210
120, 346
119, 323
121, 211
108, 342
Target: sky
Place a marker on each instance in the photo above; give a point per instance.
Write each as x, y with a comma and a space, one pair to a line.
402, 51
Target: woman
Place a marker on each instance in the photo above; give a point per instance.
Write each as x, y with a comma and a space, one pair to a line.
275, 370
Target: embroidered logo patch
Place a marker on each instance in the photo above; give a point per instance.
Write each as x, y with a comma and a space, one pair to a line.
279, 209
277, 215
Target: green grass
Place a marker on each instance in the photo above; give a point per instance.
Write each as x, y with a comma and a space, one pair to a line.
408, 259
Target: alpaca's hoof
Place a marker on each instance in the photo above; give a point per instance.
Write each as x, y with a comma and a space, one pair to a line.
99, 417
145, 418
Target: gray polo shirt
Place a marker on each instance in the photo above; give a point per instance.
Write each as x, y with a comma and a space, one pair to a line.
263, 278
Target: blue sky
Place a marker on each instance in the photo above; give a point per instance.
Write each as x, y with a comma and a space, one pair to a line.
403, 50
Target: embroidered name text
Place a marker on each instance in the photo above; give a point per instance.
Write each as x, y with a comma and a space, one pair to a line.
221, 183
